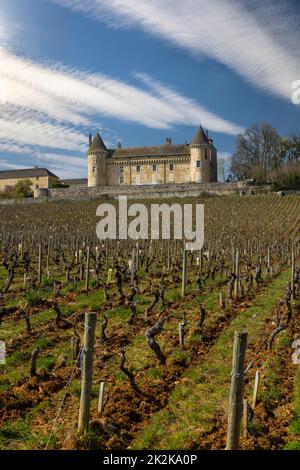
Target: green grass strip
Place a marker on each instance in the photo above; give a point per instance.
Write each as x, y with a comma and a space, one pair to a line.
204, 390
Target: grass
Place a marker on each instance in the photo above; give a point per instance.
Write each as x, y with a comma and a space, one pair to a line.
75, 388
203, 391
271, 382
46, 362
138, 355
140, 361
17, 435
22, 438
154, 373
14, 328
44, 342
294, 427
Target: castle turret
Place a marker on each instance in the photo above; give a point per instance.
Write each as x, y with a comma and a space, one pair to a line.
203, 158
97, 154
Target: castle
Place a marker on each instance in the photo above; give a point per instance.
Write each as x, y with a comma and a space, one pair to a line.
169, 163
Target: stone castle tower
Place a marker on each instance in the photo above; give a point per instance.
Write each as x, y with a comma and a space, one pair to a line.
168, 163
97, 155
203, 158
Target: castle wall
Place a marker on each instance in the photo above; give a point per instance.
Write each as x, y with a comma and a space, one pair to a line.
112, 175
214, 172
162, 174
105, 169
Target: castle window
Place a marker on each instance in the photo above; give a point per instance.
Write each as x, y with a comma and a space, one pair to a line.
153, 167
198, 163
171, 166
121, 175
205, 154
138, 168
94, 169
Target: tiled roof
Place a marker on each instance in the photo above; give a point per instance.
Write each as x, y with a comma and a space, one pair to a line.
165, 150
200, 137
97, 144
26, 173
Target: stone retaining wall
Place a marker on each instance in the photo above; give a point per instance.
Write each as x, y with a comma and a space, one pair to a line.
153, 192
170, 191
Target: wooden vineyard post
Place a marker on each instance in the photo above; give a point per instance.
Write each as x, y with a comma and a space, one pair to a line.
40, 264
293, 274
106, 254
233, 256
34, 356
255, 391
237, 273
258, 254
20, 250
80, 265
236, 391
87, 371
87, 273
181, 333
48, 254
137, 256
200, 261
221, 300
183, 287
132, 271
101, 402
245, 417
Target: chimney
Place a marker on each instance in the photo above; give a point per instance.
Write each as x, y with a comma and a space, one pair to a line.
168, 141
119, 145
90, 140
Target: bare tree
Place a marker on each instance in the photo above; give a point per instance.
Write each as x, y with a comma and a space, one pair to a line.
257, 153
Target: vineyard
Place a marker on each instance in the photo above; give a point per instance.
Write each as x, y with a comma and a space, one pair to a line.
166, 321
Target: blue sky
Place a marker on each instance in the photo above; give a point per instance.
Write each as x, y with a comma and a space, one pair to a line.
140, 71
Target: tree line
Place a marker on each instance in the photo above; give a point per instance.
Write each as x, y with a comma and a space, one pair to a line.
266, 157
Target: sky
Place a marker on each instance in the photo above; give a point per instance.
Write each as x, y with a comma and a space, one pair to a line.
139, 71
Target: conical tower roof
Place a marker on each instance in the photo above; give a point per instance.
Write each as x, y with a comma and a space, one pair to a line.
97, 144
200, 137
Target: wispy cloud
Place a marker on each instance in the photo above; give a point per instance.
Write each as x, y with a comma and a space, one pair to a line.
65, 166
52, 107
189, 111
59, 158
6, 165
257, 39
33, 132
74, 96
